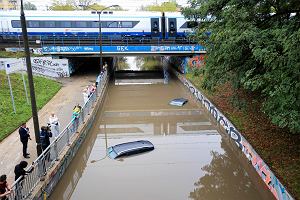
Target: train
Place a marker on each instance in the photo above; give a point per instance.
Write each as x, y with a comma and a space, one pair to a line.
115, 25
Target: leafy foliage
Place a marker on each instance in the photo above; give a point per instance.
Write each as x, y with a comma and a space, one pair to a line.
255, 44
29, 6
164, 7
62, 5
79, 5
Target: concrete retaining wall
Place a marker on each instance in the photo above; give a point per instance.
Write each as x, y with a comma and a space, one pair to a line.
274, 185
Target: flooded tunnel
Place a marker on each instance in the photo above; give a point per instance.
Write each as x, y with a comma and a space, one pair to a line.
192, 159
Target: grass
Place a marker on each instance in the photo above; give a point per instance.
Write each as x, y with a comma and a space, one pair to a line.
45, 89
279, 148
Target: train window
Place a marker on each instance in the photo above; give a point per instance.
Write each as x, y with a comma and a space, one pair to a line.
113, 24
172, 26
126, 24
81, 24
49, 24
103, 24
155, 26
95, 24
189, 24
16, 23
33, 24
65, 24
192, 24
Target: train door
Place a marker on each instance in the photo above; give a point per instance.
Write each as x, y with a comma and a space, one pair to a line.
155, 27
172, 28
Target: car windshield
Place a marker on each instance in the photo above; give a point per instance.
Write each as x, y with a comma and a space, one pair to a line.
111, 153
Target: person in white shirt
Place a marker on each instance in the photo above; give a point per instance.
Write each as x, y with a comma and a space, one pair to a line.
54, 122
85, 95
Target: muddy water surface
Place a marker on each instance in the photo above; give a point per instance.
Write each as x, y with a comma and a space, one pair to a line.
191, 160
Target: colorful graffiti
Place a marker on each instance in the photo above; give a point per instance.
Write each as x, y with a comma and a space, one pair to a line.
197, 61
187, 64
274, 185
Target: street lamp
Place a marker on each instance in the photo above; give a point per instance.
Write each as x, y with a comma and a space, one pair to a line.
100, 31
30, 81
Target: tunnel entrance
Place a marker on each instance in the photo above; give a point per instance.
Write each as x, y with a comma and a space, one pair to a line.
87, 65
138, 70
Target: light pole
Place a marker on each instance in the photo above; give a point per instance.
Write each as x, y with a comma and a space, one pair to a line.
100, 32
30, 82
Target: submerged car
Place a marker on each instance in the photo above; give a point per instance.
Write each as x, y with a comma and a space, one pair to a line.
129, 148
178, 102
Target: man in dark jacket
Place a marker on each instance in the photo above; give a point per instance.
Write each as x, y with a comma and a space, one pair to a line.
20, 170
24, 136
45, 135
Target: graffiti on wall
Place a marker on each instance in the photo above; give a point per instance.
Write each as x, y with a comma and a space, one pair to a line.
197, 61
46, 66
260, 166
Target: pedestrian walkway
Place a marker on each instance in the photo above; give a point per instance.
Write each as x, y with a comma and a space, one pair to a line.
61, 104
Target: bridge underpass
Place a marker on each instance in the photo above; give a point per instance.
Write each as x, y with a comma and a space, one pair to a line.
192, 159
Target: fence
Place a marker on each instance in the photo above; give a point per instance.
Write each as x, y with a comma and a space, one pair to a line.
23, 187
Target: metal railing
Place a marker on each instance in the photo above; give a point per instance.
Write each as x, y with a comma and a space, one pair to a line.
23, 186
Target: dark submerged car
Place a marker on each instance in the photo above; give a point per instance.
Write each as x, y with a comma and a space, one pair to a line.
129, 148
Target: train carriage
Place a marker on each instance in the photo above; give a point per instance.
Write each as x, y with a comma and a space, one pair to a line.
115, 25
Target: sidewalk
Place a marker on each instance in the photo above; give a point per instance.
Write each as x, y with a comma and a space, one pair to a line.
61, 104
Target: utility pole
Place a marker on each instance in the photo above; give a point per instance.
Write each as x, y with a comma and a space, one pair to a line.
30, 81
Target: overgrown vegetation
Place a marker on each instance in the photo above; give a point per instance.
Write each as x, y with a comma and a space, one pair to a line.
255, 45
45, 89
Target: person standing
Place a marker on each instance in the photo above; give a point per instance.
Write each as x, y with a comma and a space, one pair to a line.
45, 135
54, 122
85, 96
4, 188
24, 136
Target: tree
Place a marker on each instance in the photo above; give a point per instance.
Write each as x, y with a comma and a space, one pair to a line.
85, 3
96, 6
29, 6
164, 7
255, 44
63, 5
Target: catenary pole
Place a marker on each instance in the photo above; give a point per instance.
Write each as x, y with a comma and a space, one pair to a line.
30, 81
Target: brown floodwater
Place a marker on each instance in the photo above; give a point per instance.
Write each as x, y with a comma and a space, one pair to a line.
192, 159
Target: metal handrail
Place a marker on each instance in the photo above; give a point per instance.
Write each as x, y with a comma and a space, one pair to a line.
23, 186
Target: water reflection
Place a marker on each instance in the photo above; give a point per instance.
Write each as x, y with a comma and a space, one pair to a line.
190, 161
225, 179
139, 63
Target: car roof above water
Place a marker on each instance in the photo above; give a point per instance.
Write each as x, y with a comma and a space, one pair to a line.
131, 148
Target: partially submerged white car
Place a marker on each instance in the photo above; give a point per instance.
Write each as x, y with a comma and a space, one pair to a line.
129, 148
178, 102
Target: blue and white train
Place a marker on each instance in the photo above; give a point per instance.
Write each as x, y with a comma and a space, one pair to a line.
114, 24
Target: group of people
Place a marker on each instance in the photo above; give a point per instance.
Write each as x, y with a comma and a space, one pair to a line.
88, 91
52, 129
19, 171
46, 132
